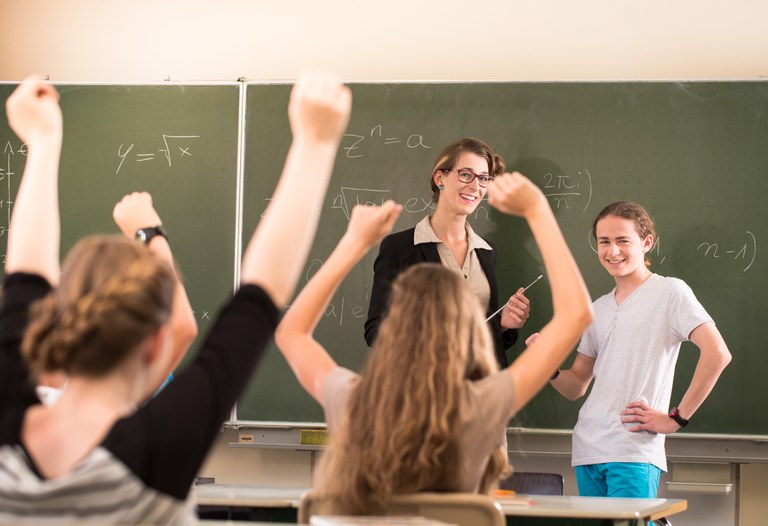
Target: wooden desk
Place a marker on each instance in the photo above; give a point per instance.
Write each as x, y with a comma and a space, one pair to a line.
258, 503
245, 502
547, 509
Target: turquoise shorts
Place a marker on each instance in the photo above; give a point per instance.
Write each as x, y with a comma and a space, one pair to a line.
618, 479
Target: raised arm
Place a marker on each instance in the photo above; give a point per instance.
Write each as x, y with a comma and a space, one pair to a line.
34, 231
274, 258
514, 194
309, 361
133, 212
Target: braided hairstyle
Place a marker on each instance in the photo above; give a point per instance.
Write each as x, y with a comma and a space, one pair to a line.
113, 294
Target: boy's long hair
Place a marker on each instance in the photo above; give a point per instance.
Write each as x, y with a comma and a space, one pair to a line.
398, 434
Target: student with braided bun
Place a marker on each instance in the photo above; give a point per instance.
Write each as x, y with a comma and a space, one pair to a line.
105, 320
131, 214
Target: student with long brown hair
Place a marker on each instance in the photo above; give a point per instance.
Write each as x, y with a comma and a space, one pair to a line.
430, 408
103, 320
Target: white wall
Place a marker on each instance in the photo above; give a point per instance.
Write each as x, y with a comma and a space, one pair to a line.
150, 40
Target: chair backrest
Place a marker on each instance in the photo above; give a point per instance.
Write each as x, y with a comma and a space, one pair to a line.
530, 483
462, 509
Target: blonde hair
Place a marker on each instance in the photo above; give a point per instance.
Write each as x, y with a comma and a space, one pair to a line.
397, 436
113, 294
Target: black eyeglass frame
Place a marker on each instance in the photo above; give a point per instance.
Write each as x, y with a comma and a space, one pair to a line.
482, 179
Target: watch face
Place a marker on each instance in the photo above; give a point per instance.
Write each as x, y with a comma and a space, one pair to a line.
145, 235
674, 414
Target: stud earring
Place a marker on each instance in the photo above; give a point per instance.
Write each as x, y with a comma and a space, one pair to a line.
441, 187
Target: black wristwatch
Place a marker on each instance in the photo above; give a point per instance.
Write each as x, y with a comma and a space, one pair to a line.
145, 235
674, 414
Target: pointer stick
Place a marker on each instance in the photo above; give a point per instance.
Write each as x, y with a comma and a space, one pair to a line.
507, 303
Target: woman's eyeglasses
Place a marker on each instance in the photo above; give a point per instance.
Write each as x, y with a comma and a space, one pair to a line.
466, 176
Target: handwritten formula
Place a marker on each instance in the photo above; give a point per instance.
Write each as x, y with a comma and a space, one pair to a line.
742, 254
173, 146
355, 145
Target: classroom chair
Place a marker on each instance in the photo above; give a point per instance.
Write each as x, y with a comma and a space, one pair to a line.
462, 509
531, 483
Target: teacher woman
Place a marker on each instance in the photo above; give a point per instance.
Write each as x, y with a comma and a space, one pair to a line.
459, 181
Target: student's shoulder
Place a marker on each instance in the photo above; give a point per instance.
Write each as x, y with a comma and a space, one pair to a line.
500, 380
669, 284
605, 299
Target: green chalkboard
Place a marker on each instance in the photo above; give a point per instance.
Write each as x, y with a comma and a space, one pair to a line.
179, 142
694, 153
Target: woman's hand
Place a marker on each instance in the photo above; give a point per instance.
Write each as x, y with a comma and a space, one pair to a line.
517, 310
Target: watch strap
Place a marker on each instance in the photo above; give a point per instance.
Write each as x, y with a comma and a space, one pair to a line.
674, 414
145, 235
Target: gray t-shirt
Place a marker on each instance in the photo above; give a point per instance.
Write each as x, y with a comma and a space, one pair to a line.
636, 345
484, 412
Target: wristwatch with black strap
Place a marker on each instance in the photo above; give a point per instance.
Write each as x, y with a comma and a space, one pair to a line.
674, 414
145, 235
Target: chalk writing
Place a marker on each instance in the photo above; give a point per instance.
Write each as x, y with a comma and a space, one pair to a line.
353, 142
419, 205
178, 151
6, 175
657, 249
564, 190
745, 253
349, 197
203, 314
337, 307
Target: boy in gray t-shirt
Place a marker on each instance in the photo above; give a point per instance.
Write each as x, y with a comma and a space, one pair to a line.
631, 350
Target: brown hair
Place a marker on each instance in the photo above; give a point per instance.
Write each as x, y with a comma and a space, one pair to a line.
448, 158
634, 212
398, 435
113, 294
